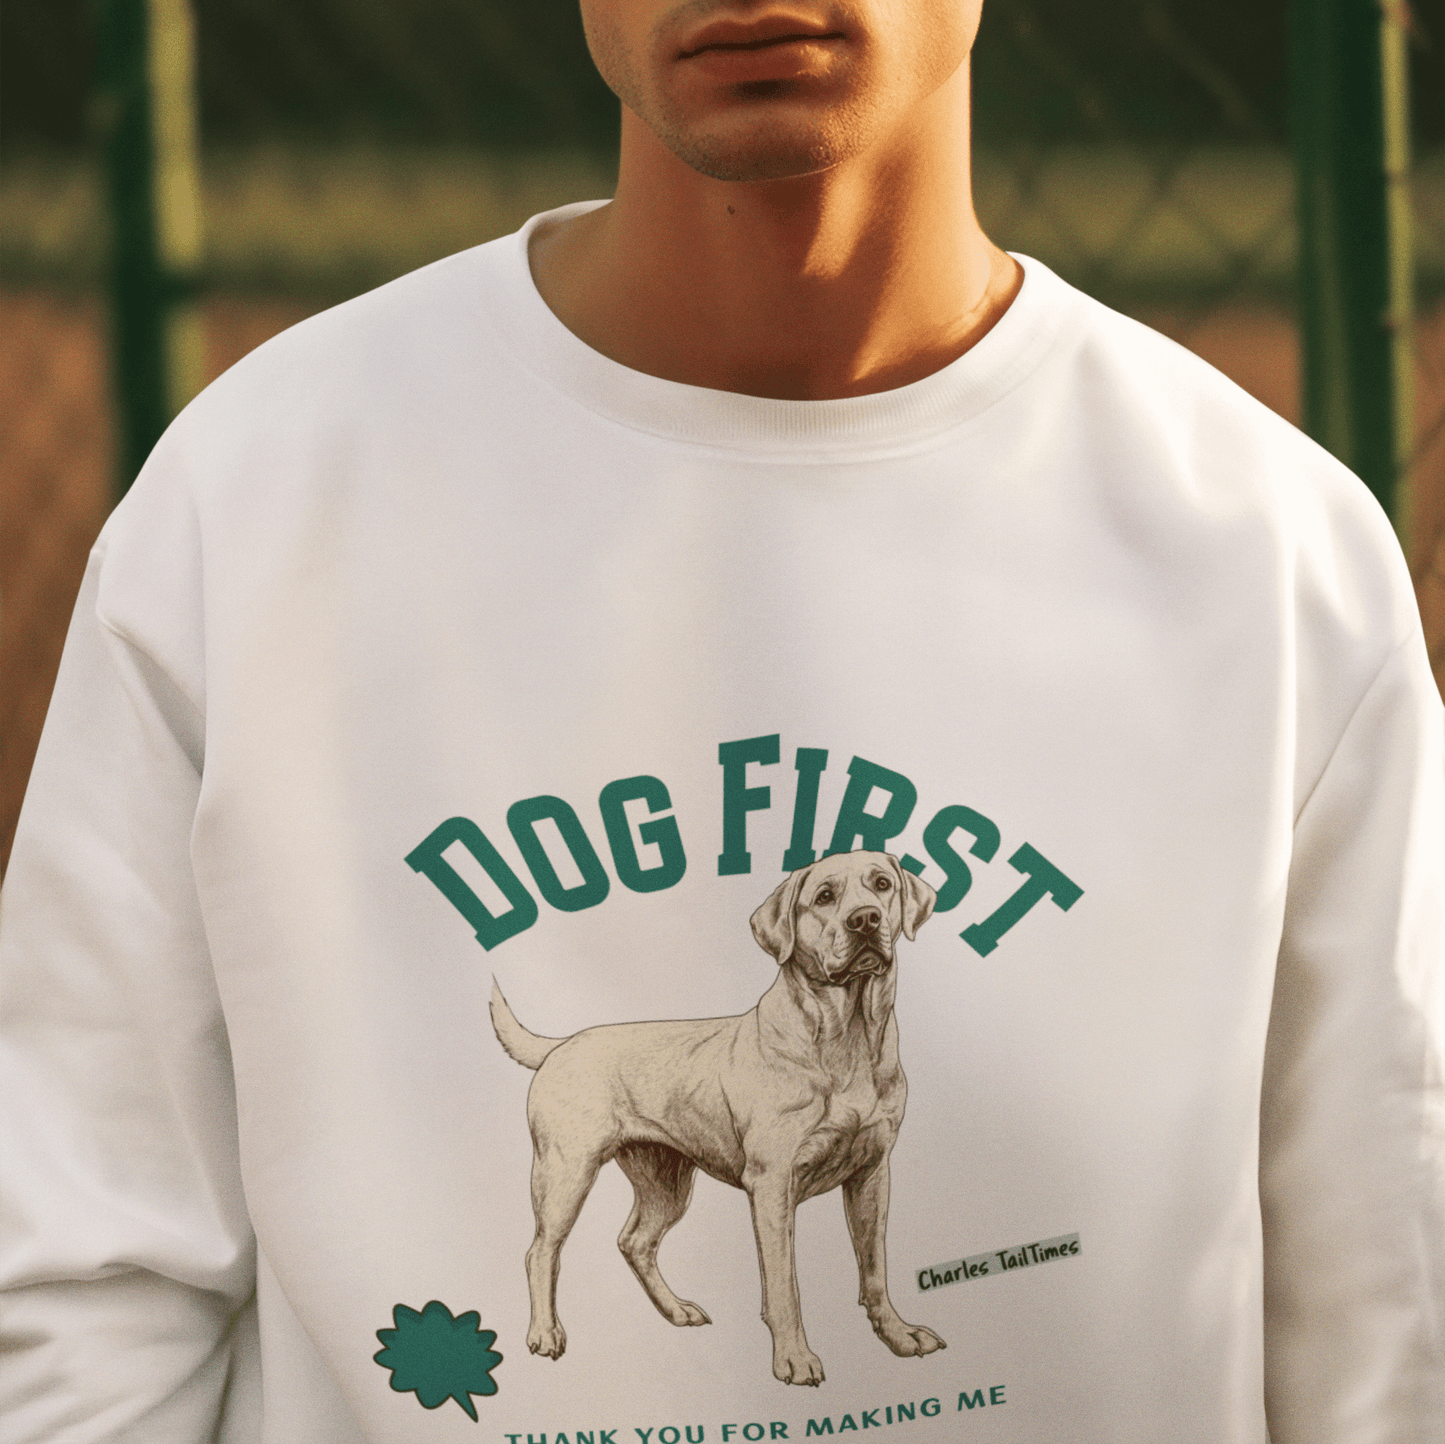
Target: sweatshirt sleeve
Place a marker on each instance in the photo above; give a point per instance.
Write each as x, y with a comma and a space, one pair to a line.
126, 1256
1352, 1174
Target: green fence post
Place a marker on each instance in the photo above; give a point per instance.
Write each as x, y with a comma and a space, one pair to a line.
1349, 107
147, 105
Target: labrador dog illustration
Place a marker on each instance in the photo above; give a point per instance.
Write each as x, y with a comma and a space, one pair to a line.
800, 1095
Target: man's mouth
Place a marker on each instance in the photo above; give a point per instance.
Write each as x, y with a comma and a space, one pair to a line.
766, 33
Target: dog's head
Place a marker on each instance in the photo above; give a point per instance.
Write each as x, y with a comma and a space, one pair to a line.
840, 917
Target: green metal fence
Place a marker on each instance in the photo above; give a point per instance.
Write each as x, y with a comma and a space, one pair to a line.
1350, 93
147, 114
1147, 149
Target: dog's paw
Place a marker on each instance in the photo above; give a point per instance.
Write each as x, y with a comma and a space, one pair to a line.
907, 1339
798, 1366
687, 1315
547, 1340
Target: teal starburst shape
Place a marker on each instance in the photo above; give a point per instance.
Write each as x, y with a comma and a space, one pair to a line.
438, 1357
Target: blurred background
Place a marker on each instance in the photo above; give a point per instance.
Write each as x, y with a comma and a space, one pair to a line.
1141, 148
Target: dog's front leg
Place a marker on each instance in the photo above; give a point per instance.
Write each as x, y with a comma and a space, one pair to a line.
561, 1177
771, 1194
865, 1201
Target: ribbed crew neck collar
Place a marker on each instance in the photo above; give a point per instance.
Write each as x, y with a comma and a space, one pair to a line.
1044, 310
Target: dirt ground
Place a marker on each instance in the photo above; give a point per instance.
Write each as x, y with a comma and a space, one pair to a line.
55, 477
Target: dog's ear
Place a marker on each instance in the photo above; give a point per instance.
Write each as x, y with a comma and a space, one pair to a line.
918, 899
773, 922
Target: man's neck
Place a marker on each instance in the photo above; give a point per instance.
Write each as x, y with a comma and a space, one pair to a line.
857, 279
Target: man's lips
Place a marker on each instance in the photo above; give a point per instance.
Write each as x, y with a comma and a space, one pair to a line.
724, 36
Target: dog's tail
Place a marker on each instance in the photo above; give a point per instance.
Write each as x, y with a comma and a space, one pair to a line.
527, 1048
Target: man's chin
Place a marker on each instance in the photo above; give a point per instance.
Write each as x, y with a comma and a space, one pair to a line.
730, 166
760, 148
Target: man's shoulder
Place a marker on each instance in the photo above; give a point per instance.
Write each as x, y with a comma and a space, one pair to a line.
1158, 400
421, 322
364, 379
1135, 365
358, 378
1193, 467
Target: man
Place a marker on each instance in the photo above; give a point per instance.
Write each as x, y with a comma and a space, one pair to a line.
762, 558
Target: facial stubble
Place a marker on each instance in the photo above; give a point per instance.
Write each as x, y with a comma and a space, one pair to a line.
765, 130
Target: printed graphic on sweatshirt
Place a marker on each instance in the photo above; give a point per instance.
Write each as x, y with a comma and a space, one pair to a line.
1000, 1261
437, 1356
644, 839
853, 1419
801, 1095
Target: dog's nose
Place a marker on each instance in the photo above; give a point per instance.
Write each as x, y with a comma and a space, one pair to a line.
864, 920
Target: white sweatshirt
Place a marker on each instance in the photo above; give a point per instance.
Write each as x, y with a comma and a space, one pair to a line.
432, 647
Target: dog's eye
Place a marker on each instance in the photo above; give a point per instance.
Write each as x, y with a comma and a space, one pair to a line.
823, 895
882, 882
